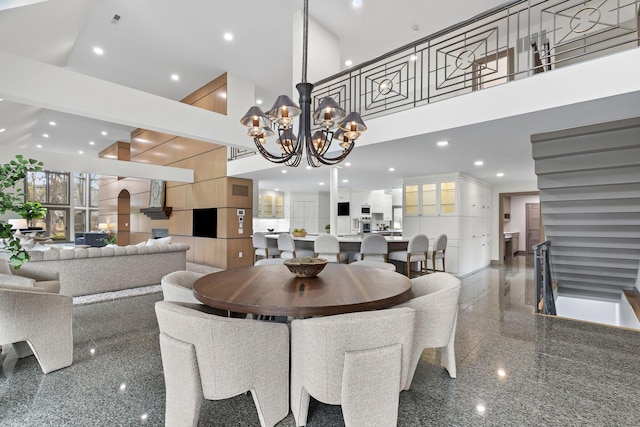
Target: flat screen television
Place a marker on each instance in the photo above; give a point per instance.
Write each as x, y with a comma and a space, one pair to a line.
205, 222
343, 208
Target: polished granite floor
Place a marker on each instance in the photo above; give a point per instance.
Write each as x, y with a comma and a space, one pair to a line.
514, 369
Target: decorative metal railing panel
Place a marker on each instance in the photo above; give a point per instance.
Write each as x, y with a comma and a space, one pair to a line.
508, 43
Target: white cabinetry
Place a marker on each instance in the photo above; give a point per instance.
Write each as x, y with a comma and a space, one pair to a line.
270, 204
458, 206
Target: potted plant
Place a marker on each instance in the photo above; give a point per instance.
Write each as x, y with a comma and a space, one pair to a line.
327, 228
12, 200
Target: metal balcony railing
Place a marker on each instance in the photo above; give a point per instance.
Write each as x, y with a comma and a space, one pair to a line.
510, 42
507, 43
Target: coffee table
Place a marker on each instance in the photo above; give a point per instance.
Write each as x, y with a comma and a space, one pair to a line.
272, 290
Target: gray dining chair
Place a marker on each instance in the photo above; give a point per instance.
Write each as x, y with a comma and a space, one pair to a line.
260, 246
437, 252
357, 360
374, 264
327, 246
287, 248
374, 248
416, 253
211, 357
178, 286
436, 304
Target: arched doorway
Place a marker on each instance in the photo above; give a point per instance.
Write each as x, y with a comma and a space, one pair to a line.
124, 222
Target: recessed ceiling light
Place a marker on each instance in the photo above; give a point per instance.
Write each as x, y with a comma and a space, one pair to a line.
2, 130
321, 183
414, 57
276, 189
478, 163
392, 169
80, 152
228, 36
98, 50
45, 135
39, 146
481, 408
223, 95
348, 63
345, 180
259, 101
347, 164
356, 3
308, 167
284, 171
502, 373
52, 123
443, 143
1, 99
92, 143
104, 133
500, 174
175, 77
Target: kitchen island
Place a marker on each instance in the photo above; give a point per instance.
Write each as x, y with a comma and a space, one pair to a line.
349, 243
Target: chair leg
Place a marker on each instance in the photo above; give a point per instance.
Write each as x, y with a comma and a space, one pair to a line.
270, 406
182, 382
448, 352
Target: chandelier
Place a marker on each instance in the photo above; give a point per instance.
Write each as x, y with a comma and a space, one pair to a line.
328, 115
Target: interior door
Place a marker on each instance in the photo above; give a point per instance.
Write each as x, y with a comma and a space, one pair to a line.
533, 226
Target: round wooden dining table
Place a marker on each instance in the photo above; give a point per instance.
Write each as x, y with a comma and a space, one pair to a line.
272, 290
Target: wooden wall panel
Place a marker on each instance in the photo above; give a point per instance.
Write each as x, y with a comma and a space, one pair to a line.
143, 140
240, 201
181, 197
234, 247
214, 101
209, 165
181, 223
212, 86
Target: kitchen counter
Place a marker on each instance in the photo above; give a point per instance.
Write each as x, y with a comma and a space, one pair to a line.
356, 238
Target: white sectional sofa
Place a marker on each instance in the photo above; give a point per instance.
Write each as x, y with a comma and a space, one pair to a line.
84, 271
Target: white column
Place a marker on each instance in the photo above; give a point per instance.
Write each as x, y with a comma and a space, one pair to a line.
333, 200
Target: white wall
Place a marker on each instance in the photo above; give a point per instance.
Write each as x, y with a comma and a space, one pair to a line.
518, 221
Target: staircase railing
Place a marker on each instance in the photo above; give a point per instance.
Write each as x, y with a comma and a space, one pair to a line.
545, 300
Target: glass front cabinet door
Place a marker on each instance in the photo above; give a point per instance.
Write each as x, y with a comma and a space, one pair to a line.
430, 198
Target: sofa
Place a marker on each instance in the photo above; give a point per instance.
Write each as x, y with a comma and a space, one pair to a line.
85, 271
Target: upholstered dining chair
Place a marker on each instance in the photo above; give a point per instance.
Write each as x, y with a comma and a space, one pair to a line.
374, 264
178, 286
374, 248
37, 322
205, 356
326, 246
287, 247
437, 252
436, 303
261, 246
270, 261
357, 360
416, 252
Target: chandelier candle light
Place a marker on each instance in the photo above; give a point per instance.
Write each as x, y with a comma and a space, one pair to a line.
281, 116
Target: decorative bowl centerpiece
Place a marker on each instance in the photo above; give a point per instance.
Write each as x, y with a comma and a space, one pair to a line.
299, 232
305, 266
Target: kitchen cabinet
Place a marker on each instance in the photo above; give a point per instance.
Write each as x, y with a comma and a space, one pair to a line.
456, 205
422, 198
271, 204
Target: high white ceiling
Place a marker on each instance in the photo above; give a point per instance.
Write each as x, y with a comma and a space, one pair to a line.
156, 38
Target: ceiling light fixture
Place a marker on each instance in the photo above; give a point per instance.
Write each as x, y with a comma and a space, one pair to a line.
92, 143
80, 152
478, 163
45, 135
2, 130
104, 133
348, 63
356, 3
442, 143
259, 101
500, 174
175, 77
327, 115
52, 123
392, 169
228, 36
98, 50
38, 146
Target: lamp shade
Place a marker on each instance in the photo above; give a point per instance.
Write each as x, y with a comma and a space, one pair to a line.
328, 113
102, 226
18, 224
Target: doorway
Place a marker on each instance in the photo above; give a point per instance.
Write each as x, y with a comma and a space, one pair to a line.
533, 226
124, 212
513, 219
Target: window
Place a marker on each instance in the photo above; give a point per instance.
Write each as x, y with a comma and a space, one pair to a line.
48, 188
